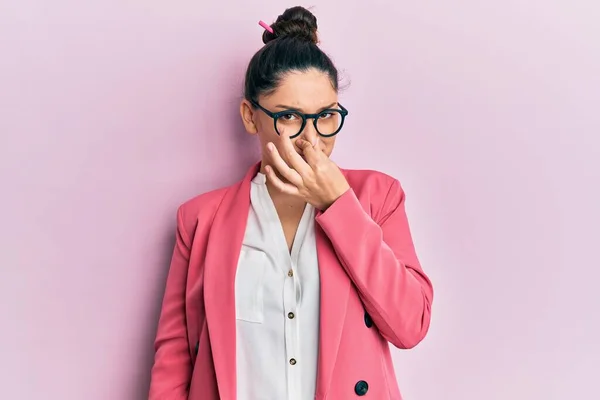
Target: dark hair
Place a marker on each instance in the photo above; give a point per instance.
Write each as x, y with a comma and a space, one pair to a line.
291, 47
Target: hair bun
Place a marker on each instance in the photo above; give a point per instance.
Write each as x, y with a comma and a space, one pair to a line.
294, 22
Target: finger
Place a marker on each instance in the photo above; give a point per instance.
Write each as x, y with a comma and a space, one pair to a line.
279, 184
310, 152
291, 156
282, 167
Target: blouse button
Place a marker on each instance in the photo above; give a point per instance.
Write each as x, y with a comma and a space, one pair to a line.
290, 273
291, 315
293, 361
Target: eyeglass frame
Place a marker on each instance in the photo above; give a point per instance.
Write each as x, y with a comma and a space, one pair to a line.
276, 115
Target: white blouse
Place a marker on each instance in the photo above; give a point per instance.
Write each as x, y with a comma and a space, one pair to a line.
277, 305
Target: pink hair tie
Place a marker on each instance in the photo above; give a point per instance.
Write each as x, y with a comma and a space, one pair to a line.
266, 26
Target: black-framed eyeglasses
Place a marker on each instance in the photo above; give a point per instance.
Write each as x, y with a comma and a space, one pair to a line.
292, 122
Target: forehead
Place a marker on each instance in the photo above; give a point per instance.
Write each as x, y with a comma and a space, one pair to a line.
307, 91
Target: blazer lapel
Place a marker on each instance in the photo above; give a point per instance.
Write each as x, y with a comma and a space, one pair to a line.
223, 250
335, 286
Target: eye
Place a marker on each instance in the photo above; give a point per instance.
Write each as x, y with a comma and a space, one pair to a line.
325, 115
289, 117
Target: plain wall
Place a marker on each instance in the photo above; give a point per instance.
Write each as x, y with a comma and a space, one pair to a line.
114, 112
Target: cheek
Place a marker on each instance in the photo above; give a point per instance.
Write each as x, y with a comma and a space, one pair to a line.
266, 132
327, 146
264, 124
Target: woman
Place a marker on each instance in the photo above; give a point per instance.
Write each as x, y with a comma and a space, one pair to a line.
289, 284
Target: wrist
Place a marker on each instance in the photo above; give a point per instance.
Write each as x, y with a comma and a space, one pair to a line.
335, 196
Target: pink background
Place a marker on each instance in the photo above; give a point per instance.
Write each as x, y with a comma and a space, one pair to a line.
113, 112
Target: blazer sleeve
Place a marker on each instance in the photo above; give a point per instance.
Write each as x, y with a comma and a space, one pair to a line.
380, 259
172, 369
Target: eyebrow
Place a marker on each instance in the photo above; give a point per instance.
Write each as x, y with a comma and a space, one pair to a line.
300, 110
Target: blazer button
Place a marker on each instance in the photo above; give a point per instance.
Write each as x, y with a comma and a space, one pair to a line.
368, 320
361, 388
197, 347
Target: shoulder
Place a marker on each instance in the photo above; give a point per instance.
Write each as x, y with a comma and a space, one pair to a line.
371, 182
378, 192
200, 210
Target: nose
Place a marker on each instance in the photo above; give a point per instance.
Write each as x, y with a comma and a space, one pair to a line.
309, 133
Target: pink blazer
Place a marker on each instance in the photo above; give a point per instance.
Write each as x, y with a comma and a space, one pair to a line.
373, 291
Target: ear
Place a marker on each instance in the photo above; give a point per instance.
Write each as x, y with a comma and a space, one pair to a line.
247, 113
